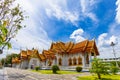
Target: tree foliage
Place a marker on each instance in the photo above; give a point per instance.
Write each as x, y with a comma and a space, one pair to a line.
55, 68
114, 63
10, 56
114, 69
2, 61
11, 17
8, 59
99, 67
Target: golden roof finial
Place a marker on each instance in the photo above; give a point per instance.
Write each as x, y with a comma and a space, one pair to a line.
94, 38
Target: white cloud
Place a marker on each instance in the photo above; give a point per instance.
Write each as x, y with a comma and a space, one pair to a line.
114, 26
83, 5
77, 35
118, 11
33, 35
92, 16
59, 12
101, 39
104, 41
87, 7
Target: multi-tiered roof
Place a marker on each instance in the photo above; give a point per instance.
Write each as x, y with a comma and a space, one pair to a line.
85, 46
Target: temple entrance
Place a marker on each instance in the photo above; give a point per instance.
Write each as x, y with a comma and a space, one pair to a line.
74, 61
70, 62
60, 61
33, 63
79, 61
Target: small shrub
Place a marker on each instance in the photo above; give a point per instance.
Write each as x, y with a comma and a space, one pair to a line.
55, 68
78, 69
114, 69
37, 68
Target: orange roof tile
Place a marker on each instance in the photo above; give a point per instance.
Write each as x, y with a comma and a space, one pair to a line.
29, 52
61, 47
23, 53
42, 57
69, 46
85, 46
48, 54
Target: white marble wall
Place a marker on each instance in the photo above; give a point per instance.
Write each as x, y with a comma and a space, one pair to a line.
14, 65
17, 65
24, 64
35, 62
65, 59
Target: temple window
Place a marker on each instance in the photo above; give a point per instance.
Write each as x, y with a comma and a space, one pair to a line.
79, 61
60, 61
92, 54
87, 58
70, 61
49, 63
74, 61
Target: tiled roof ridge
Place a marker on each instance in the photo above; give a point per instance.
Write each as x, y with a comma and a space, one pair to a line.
87, 41
70, 46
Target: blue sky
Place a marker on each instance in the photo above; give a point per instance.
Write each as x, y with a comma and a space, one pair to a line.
69, 20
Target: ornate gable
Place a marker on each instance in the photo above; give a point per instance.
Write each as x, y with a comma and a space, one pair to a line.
35, 54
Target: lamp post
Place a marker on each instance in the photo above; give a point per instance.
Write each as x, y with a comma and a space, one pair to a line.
113, 44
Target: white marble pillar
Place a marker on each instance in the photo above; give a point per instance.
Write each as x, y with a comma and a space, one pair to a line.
76, 59
94, 55
83, 60
90, 59
64, 60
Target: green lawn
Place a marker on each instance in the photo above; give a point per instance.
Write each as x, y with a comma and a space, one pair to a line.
104, 77
58, 72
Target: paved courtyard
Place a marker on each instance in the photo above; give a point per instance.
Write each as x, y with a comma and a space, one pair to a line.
1, 75
18, 74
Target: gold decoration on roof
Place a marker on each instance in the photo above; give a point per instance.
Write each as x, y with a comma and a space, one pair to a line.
85, 46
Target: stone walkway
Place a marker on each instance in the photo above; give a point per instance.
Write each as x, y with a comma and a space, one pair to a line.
1, 74
18, 74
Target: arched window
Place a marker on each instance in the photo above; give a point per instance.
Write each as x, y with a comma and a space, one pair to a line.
60, 61
74, 61
79, 61
87, 59
70, 62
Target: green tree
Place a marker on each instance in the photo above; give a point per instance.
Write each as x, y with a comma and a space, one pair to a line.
114, 69
99, 67
114, 63
9, 58
2, 61
10, 22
